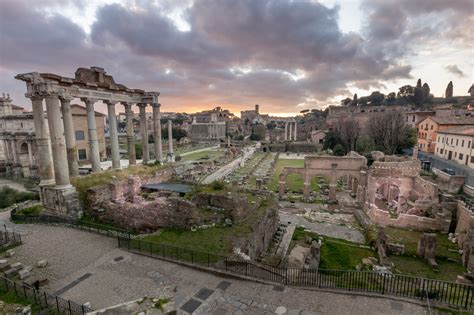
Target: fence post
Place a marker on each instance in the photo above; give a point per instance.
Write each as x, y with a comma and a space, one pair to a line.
467, 296
69, 304
45, 299
383, 284
57, 304
14, 287
151, 248
207, 259
83, 310
139, 246
177, 253
192, 257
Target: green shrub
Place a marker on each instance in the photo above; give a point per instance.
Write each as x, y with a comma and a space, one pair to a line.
34, 210
10, 196
371, 235
218, 185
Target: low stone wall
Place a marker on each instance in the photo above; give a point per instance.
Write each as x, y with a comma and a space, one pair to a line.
238, 207
449, 183
465, 221
262, 230
409, 221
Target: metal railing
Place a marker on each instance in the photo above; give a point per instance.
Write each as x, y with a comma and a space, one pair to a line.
8, 238
41, 300
449, 293
77, 224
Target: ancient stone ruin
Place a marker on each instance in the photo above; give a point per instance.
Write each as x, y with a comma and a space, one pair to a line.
427, 248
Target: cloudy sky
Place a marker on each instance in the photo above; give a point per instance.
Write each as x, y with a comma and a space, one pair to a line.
284, 55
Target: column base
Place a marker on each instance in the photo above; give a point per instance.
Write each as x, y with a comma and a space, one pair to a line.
61, 201
171, 158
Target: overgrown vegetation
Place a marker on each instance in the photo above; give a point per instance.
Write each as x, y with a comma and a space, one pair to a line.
10, 196
83, 183
335, 253
11, 298
213, 240
447, 256
34, 210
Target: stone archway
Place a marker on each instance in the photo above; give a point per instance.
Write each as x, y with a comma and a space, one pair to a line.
332, 167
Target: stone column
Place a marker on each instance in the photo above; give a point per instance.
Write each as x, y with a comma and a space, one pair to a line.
306, 189
14, 152
170, 142
58, 145
157, 132
69, 136
132, 159
281, 188
93, 141
332, 192
43, 149
144, 133
114, 144
30, 153
295, 134
286, 131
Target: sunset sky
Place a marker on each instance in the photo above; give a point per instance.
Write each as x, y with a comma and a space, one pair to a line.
284, 55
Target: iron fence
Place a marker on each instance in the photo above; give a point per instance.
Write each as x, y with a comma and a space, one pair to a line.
81, 225
444, 292
41, 301
8, 238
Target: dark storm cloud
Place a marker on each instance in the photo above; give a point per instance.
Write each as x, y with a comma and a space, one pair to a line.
236, 52
454, 69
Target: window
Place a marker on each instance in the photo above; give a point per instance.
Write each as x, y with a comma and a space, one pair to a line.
79, 135
461, 156
457, 142
82, 154
462, 144
455, 154
431, 127
472, 159
469, 144
451, 141
439, 138
441, 151
413, 118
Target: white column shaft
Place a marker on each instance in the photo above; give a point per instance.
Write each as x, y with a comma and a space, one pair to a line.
93, 140
114, 144
157, 132
70, 137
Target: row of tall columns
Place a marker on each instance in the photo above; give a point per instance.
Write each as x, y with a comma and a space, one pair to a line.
290, 131
60, 144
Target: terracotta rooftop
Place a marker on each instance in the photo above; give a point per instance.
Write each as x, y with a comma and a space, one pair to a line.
450, 120
464, 130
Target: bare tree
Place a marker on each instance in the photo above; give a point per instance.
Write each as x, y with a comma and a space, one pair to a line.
348, 130
389, 131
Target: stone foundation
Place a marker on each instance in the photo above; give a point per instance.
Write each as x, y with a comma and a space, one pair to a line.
61, 202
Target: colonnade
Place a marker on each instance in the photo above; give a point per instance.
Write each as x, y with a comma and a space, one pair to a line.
290, 131
56, 150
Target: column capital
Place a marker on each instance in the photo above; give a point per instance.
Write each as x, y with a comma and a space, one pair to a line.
88, 100
156, 105
65, 98
110, 103
144, 105
34, 96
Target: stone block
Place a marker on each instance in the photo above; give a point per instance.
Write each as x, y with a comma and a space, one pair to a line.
4, 267
23, 274
17, 265
42, 263
3, 261
9, 253
10, 273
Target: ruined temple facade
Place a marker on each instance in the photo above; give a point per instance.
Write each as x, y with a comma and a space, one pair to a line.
55, 139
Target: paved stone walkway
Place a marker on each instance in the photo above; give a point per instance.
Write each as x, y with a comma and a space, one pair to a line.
86, 267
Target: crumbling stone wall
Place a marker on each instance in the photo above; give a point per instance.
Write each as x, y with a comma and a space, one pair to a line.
465, 222
416, 202
449, 183
237, 206
261, 231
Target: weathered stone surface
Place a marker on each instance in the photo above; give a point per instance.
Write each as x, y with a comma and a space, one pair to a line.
297, 256
9, 253
427, 248
42, 263
314, 255
23, 274
238, 207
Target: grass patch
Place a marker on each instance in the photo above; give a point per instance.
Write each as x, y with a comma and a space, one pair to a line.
11, 298
415, 266
336, 253
211, 154
214, 240
293, 184
10, 196
83, 183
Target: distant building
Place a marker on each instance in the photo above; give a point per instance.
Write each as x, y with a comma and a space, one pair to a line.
317, 136
210, 124
429, 128
456, 144
412, 118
